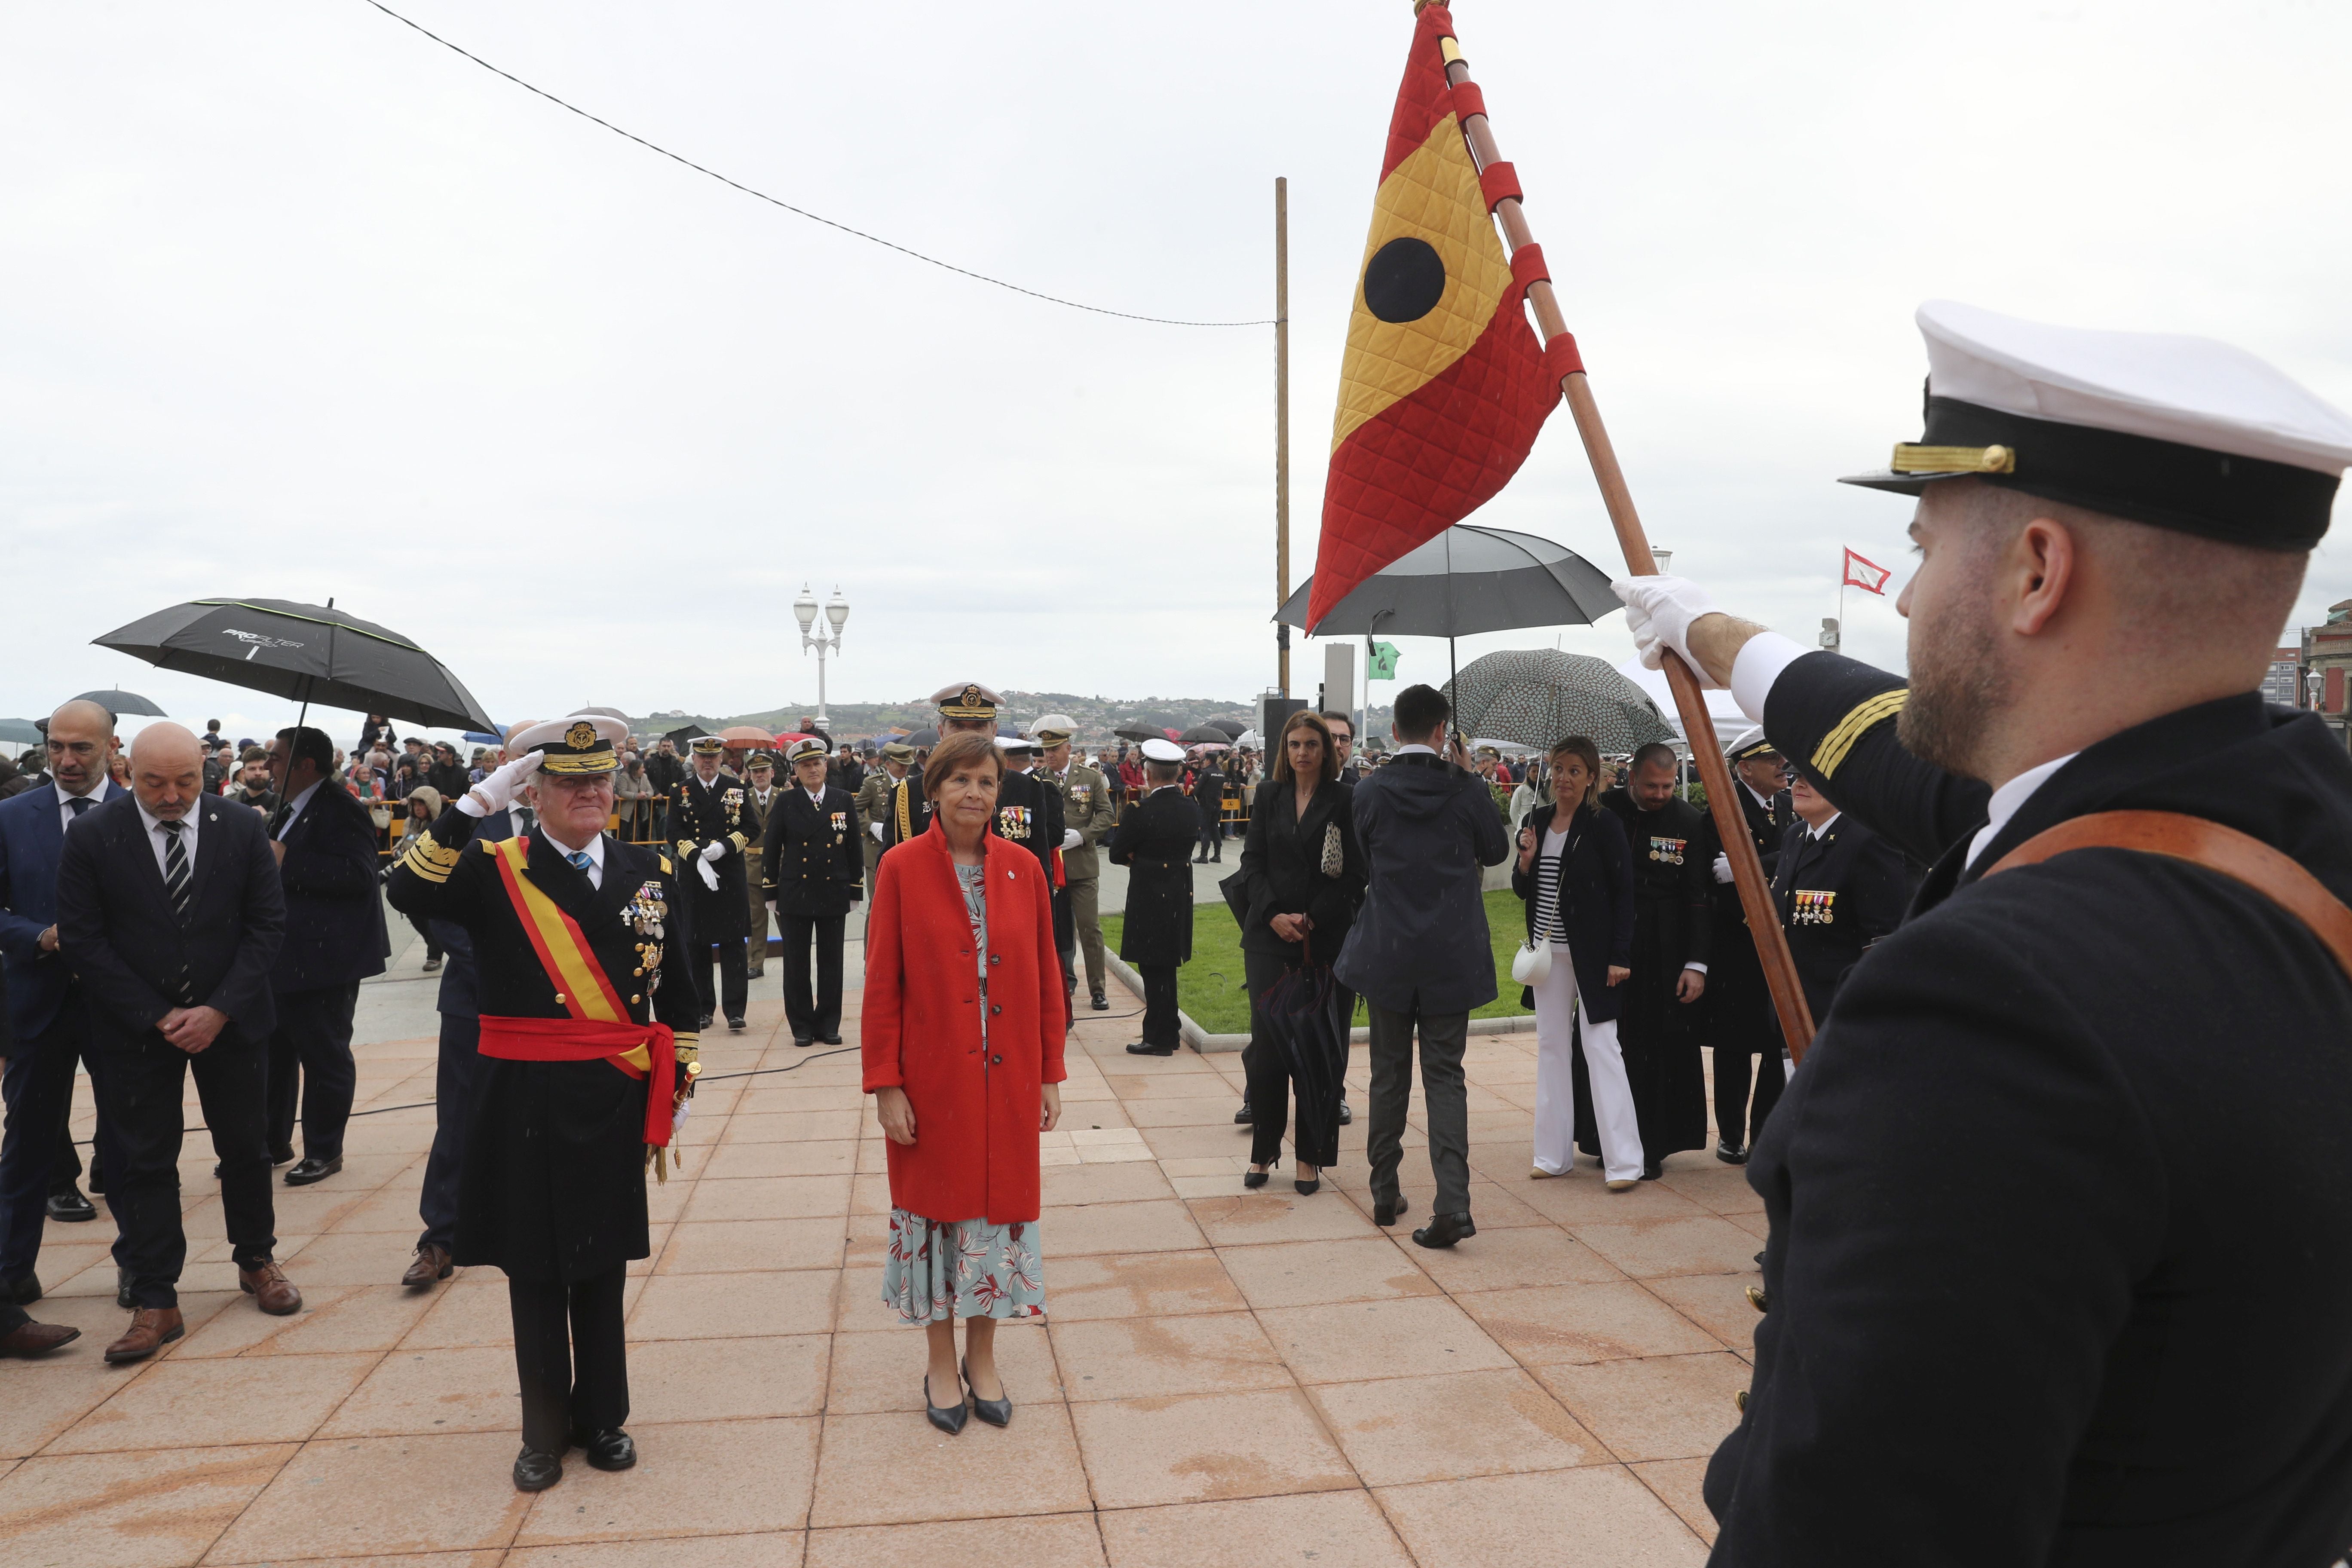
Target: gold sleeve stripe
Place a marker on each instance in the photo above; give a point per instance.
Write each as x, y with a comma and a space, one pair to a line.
739, 841
428, 860
1841, 739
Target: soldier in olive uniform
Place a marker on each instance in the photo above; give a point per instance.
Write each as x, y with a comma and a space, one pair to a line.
707, 821
874, 800
760, 795
964, 706
1086, 811
812, 870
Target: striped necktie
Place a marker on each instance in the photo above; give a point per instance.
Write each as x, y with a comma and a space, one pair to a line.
175, 870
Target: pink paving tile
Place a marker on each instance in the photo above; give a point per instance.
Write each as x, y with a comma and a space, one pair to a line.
1525, 1254
1693, 1244
1337, 1527
334, 1317
1050, 1540
676, 1489
44, 1398
1610, 1517
1159, 1224
1353, 1342
768, 1548
1029, 1467
1208, 1446
1256, 1218
465, 1311
790, 1126
740, 1246
390, 1495
1121, 1358
428, 1392
884, 1370
1549, 1323
1716, 1302
724, 1380
1307, 1273
733, 1306
180, 1404
155, 1508
1403, 1429
741, 1161
1657, 1407
769, 1197
1144, 1284
1678, 1483
1128, 1181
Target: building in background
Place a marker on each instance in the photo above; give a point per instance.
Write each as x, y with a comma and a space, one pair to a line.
2327, 654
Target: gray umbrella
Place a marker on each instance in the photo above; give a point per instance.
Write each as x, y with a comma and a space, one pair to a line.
1537, 696
1468, 579
121, 703
20, 732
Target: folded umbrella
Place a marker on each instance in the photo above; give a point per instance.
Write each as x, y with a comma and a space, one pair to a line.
306, 653
1537, 696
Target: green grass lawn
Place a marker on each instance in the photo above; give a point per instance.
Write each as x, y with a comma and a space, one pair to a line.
1209, 987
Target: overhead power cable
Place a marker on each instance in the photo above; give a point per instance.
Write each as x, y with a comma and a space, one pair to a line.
798, 212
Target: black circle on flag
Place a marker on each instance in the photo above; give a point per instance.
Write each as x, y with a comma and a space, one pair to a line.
1403, 280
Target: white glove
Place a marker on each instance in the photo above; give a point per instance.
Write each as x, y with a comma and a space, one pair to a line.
714, 849
1072, 838
1659, 612
1723, 868
771, 906
678, 1113
709, 877
876, 828
498, 790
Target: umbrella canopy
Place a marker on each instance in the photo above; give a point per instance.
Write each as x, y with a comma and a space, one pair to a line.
922, 740
1233, 728
1537, 696
1468, 579
306, 653
121, 703
20, 732
749, 734
1205, 735
1210, 748
1140, 733
485, 738
1721, 706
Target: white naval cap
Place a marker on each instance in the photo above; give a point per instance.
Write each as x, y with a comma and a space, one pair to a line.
1751, 743
2179, 432
587, 741
1163, 752
1014, 743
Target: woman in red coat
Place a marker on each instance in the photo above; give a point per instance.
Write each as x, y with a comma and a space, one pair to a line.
963, 1030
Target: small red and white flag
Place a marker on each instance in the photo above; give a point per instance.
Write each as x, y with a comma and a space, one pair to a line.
1864, 574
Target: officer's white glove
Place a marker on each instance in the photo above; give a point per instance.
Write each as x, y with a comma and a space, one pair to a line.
677, 1115
876, 828
1723, 868
1659, 612
714, 849
1072, 838
771, 906
498, 790
709, 877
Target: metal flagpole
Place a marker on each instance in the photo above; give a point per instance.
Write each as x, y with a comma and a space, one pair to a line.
1698, 727
1282, 427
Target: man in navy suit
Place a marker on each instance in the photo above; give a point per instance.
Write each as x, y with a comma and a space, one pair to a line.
170, 914
45, 1014
326, 848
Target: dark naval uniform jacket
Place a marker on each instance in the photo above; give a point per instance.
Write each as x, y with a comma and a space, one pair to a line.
1674, 925
1739, 1003
698, 814
908, 812
1838, 894
1154, 841
2061, 1198
553, 1183
811, 865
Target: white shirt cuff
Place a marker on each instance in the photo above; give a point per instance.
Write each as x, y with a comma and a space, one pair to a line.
472, 808
1760, 663
1696, 968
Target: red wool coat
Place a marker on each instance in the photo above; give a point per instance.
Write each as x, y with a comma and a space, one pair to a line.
975, 1150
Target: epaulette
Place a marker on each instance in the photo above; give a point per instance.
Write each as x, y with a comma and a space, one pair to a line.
665, 864
486, 846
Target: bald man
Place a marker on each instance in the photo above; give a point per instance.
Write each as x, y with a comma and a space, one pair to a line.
171, 914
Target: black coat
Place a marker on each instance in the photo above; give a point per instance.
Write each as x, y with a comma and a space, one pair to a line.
1029, 813
812, 863
118, 933
1838, 895
1209, 798
910, 813
458, 997
334, 919
1595, 902
1674, 925
1154, 841
700, 815
2061, 1200
1427, 827
1739, 1003
553, 1182
1282, 870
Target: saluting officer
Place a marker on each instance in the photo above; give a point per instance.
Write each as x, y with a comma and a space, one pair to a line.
713, 833
2060, 1202
1154, 841
1087, 812
874, 800
759, 797
813, 871
587, 1060
1741, 1025
963, 706
1840, 888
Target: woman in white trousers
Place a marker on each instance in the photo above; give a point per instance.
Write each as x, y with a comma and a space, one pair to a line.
1576, 873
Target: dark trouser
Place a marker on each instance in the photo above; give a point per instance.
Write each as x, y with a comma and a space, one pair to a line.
820, 1014
425, 931
1159, 1025
1213, 839
735, 983
571, 1355
453, 1101
1732, 1110
310, 1058
1446, 1102
1268, 1074
37, 1155
139, 1084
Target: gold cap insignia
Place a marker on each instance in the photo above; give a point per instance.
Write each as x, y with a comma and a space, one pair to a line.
581, 736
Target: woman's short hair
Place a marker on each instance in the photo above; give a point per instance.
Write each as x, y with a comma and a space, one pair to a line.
1279, 770
1582, 747
963, 749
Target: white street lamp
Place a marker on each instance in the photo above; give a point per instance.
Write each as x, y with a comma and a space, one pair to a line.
836, 613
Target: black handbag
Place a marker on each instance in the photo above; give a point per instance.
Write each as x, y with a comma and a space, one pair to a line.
1297, 1011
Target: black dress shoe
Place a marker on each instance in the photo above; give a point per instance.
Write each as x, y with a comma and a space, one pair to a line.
122, 1289
97, 1178
610, 1449
1101, 1002
21, 1292
948, 1420
829, 1039
1385, 1215
1243, 1117
734, 1025
68, 1206
310, 1171
803, 1040
1652, 1169
702, 1024
1445, 1230
995, 1412
1731, 1154
535, 1471
1347, 1117
1141, 1049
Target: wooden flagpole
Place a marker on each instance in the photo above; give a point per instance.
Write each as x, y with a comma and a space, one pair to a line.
1731, 823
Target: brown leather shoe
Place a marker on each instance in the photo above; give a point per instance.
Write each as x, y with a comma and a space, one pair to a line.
36, 1339
430, 1267
151, 1328
270, 1289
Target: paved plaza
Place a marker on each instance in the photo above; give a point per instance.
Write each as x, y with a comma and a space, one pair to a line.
1223, 1379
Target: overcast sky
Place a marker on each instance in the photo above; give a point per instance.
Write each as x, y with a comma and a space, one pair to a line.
297, 303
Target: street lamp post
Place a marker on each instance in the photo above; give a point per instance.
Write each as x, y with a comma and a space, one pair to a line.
836, 613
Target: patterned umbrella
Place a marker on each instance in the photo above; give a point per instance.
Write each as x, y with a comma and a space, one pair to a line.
1537, 696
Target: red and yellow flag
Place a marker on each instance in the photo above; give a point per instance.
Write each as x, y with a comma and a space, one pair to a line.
1444, 385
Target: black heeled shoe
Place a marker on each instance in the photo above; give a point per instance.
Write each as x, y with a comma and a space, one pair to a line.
1309, 1187
948, 1420
995, 1412
1256, 1179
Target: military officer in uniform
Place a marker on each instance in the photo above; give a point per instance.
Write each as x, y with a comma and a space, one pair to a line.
2060, 1203
587, 1060
874, 800
1741, 1025
1086, 811
1029, 813
759, 794
1840, 888
963, 706
1154, 841
709, 822
812, 870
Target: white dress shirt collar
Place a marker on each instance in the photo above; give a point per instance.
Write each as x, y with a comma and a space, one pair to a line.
593, 849
1415, 749
2008, 797
66, 812
157, 838
1828, 823
294, 809
816, 795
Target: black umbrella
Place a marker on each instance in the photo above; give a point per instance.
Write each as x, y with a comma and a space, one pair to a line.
121, 702
1205, 735
1537, 696
306, 652
922, 740
1233, 728
1140, 733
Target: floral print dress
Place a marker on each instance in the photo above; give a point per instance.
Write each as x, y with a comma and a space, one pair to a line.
940, 1270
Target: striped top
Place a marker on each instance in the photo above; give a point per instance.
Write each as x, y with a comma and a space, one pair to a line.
1548, 856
